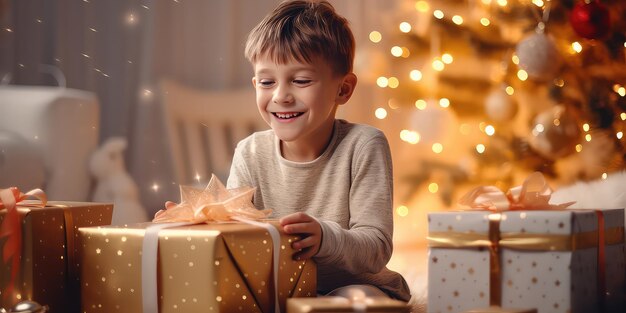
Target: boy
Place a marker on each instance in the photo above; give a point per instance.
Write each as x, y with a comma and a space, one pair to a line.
330, 180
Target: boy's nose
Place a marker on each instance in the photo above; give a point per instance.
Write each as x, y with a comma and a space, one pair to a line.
282, 96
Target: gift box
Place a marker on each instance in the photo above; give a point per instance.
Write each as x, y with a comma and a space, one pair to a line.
47, 271
215, 267
341, 304
497, 309
554, 259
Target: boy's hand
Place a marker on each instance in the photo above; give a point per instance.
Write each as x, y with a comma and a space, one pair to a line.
310, 230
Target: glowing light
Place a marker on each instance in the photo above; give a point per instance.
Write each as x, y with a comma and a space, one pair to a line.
396, 51
480, 148
588, 137
437, 147
39, 20
402, 211
131, 19
146, 94
502, 3
155, 187
393, 82
485, 21
556, 122
438, 65
490, 130
433, 187
487, 2
586, 127
145, 7
422, 6
405, 27
447, 58
405, 52
604, 175
86, 55
438, 14
382, 82
420, 104
380, 113
410, 136
197, 177
515, 59
415, 75
622, 116
522, 75
538, 129
577, 47
444, 102
621, 91
619, 135
457, 19
579, 147
93, 29
538, 3
375, 36
559, 82
509, 90
8, 30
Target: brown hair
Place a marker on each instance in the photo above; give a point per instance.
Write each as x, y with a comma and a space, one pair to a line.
302, 30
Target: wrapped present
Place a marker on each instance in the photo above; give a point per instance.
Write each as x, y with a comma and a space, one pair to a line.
526, 252
497, 309
341, 304
201, 264
39, 251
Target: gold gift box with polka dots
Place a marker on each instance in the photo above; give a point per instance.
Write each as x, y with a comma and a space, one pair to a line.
216, 267
48, 268
545, 259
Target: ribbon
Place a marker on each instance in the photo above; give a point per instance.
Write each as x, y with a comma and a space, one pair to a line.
11, 227
533, 194
212, 204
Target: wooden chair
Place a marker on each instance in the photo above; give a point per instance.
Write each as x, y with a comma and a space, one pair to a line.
203, 128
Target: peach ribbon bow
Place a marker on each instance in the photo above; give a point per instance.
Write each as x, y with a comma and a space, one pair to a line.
533, 194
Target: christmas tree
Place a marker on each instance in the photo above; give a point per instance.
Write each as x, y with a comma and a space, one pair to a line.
495, 90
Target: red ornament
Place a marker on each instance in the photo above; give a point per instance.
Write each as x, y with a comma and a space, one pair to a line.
590, 19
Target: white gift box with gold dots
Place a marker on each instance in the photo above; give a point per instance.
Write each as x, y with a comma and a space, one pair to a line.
547, 260
221, 267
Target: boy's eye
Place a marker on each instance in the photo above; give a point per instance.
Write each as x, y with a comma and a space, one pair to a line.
265, 83
302, 81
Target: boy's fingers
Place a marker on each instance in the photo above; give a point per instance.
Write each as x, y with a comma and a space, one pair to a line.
305, 243
298, 228
295, 218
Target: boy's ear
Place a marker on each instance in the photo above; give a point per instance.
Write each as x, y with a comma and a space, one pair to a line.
346, 89
254, 81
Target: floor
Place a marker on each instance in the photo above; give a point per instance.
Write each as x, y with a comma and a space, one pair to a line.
412, 263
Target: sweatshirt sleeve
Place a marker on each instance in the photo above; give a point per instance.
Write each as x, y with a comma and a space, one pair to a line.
366, 246
239, 175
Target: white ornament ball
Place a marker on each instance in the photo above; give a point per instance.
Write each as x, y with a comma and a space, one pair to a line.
539, 57
500, 106
434, 124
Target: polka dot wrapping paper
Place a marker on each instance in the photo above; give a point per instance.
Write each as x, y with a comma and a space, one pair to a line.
543, 259
340, 304
49, 259
217, 267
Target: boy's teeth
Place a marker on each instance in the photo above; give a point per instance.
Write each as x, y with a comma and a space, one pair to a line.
287, 115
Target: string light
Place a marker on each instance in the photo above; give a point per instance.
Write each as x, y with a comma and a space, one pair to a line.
515, 59
622, 116
433, 187
405, 52
588, 137
420, 104
438, 14
393, 82
197, 177
130, 19
437, 147
396, 51
485, 21
380, 113
447, 58
375, 36
586, 127
405, 27
619, 135
577, 47
155, 187
382, 82
487, 2
509, 90
415, 75
502, 3
538, 3
522, 75
457, 19
579, 147
402, 211
604, 175
438, 65
410, 136
422, 6
444, 102
480, 148
490, 130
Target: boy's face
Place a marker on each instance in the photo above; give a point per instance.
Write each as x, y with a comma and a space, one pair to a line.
299, 100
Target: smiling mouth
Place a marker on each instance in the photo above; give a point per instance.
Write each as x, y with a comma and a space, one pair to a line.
287, 115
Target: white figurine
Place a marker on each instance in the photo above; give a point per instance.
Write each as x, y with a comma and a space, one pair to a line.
114, 184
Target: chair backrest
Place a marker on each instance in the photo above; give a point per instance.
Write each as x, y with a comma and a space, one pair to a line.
203, 127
